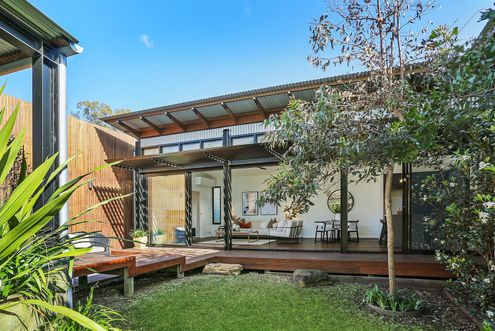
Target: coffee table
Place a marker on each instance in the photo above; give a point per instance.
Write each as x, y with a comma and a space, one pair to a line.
248, 233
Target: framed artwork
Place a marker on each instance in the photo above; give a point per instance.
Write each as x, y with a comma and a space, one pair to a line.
216, 205
269, 209
249, 205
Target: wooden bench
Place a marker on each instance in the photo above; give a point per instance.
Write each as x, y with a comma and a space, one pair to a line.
128, 266
105, 264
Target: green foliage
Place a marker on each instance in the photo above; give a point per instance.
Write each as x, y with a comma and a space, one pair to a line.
104, 316
137, 233
455, 116
35, 261
93, 111
335, 208
158, 232
400, 302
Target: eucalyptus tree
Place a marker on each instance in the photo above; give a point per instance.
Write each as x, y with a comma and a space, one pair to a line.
355, 126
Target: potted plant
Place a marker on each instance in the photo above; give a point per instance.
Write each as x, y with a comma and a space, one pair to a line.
140, 238
336, 210
158, 237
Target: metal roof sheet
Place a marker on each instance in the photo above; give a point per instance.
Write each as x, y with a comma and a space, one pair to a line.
37, 23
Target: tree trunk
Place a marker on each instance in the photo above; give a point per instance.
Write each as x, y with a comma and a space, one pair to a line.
390, 230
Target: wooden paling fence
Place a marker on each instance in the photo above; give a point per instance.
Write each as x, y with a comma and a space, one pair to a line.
92, 145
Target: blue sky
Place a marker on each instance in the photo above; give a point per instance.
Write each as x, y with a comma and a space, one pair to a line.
148, 53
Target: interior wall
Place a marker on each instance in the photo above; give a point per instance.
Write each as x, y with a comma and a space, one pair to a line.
368, 202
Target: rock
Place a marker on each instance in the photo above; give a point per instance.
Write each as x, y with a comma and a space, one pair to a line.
309, 277
223, 269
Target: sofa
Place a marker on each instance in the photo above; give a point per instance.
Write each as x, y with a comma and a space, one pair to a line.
282, 230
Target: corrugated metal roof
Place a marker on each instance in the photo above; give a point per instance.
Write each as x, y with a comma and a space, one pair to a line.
37, 23
315, 83
6, 48
272, 99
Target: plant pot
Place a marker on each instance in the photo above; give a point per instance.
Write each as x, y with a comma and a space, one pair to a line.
390, 313
159, 239
140, 242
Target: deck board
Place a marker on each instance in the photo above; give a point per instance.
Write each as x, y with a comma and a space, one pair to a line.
407, 265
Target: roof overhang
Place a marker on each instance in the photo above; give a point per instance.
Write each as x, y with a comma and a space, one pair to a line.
204, 159
246, 107
26, 32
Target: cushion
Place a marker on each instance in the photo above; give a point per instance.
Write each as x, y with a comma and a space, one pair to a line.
264, 224
282, 225
245, 225
271, 223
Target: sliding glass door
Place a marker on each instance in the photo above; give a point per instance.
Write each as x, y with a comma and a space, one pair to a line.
166, 209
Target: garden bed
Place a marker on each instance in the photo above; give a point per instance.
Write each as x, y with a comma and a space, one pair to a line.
265, 301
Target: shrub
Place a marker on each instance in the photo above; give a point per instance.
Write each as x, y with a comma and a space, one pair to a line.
398, 303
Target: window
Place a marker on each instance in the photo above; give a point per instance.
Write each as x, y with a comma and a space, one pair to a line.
242, 140
217, 205
151, 151
191, 146
170, 149
260, 138
212, 143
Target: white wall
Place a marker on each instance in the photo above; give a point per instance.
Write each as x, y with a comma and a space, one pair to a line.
368, 202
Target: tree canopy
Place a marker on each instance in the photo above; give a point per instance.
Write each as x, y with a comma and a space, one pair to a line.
93, 111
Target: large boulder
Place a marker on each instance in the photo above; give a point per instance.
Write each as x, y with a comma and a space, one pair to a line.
309, 277
223, 269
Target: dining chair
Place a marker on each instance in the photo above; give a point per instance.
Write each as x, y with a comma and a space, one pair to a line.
321, 231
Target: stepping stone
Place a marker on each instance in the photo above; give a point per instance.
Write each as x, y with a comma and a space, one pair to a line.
223, 269
309, 277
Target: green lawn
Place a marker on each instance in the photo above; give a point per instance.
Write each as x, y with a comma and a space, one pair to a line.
252, 302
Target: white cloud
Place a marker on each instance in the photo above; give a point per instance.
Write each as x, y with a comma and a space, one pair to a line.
146, 40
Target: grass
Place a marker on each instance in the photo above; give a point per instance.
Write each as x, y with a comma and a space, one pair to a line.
252, 301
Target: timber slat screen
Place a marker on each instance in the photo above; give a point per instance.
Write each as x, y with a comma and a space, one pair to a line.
92, 145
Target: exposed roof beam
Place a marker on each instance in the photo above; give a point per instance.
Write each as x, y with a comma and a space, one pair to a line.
229, 111
201, 117
216, 158
166, 163
260, 107
151, 124
176, 121
129, 129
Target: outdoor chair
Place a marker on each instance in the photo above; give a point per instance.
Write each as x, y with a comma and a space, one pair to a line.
352, 227
321, 231
383, 233
98, 242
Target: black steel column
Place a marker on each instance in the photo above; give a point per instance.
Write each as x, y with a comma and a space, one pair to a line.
406, 206
188, 197
343, 211
227, 205
45, 118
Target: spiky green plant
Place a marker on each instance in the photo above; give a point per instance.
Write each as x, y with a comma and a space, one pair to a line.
35, 264
103, 315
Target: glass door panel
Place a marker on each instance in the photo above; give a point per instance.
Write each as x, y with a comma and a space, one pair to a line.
166, 209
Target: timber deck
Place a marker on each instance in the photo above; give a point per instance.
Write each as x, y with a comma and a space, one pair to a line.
368, 264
